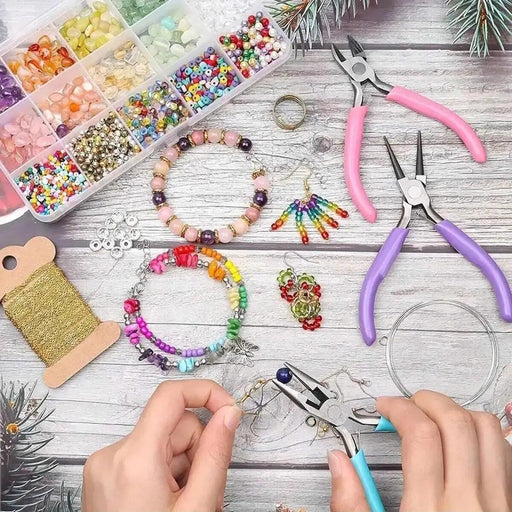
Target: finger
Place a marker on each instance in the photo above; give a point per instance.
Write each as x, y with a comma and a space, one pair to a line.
186, 435
168, 403
207, 477
347, 492
422, 454
179, 467
493, 461
459, 440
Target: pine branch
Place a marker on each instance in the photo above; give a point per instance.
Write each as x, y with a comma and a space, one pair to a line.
486, 19
23, 469
306, 21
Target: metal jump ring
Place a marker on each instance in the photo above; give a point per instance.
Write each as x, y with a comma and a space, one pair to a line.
490, 333
279, 121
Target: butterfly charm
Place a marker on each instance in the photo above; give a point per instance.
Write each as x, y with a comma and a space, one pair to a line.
241, 351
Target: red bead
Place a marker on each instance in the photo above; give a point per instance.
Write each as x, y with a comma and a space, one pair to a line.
131, 305
261, 45
325, 235
305, 240
264, 32
265, 22
233, 38
251, 19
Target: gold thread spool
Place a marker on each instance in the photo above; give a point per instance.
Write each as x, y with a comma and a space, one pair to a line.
50, 313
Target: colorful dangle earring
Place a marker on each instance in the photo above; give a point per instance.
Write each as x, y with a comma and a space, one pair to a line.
303, 294
315, 208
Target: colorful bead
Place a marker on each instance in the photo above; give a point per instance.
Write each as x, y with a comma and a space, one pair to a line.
10, 93
52, 183
207, 237
150, 113
205, 79
188, 256
255, 44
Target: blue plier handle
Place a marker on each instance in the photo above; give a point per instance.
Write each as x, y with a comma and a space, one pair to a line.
324, 404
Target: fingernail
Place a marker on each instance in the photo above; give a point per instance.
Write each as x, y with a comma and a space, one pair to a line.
232, 417
334, 464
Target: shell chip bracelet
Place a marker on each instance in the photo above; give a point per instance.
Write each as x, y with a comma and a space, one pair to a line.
207, 236
220, 269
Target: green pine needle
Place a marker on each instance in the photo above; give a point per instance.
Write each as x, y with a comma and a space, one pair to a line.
23, 469
486, 20
306, 21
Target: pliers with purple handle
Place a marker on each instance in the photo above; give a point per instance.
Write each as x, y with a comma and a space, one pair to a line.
361, 73
325, 404
415, 195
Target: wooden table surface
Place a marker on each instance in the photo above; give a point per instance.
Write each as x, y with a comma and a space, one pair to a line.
276, 460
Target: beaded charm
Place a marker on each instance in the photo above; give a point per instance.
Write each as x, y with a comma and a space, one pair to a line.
207, 236
303, 293
160, 354
314, 206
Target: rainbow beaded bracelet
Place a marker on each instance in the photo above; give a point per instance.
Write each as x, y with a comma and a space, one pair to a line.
219, 268
208, 236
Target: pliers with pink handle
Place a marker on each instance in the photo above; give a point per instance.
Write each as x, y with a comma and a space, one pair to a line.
415, 195
361, 73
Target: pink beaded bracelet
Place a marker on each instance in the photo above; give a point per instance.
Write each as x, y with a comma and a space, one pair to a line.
207, 236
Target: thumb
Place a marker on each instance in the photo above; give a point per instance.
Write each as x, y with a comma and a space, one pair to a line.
347, 491
208, 473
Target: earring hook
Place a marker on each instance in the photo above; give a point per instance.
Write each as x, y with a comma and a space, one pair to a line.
322, 179
287, 253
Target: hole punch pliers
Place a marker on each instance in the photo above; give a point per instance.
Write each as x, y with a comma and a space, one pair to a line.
324, 404
415, 195
361, 73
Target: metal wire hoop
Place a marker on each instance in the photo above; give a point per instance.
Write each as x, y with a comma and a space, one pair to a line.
491, 375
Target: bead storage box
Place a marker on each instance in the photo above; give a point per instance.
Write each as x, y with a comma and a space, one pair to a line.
94, 87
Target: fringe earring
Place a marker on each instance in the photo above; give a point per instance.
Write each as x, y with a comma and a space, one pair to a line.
316, 208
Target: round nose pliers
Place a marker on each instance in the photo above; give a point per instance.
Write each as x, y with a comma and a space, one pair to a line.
361, 73
415, 195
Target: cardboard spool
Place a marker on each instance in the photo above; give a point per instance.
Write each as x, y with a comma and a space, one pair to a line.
33, 255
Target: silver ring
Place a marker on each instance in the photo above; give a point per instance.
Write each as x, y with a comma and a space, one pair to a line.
108, 244
134, 234
103, 233
126, 244
490, 333
131, 220
119, 234
95, 245
118, 216
116, 252
110, 223
279, 121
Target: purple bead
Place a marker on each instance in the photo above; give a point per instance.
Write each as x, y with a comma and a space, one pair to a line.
167, 348
130, 329
7, 81
134, 340
184, 143
200, 352
208, 237
144, 331
151, 358
62, 130
245, 144
3, 70
172, 350
194, 352
140, 320
260, 198
159, 198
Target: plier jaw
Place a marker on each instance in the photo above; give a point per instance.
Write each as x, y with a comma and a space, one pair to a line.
358, 70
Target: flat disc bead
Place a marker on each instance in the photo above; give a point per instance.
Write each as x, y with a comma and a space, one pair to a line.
171, 153
162, 167
165, 213
231, 139
241, 226
176, 226
225, 235
157, 183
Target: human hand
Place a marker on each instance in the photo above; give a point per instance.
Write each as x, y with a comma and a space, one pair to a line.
452, 459
169, 462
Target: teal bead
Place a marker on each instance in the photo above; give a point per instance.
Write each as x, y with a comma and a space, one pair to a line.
190, 364
168, 23
182, 366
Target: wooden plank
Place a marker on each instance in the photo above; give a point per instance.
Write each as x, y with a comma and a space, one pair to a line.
472, 195
261, 491
104, 401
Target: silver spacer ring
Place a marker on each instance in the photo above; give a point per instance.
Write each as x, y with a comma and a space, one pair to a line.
279, 120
